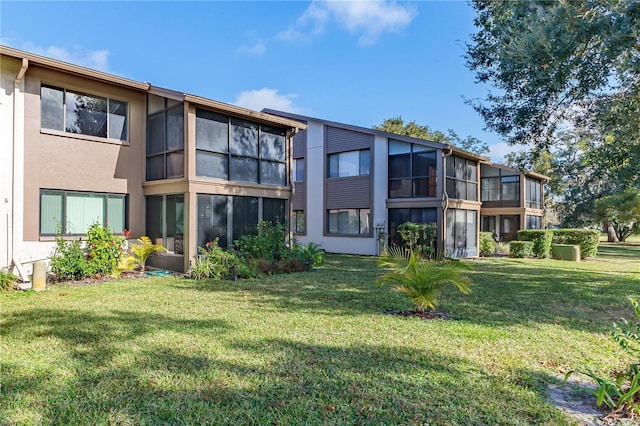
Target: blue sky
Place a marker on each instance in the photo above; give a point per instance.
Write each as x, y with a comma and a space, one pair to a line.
356, 62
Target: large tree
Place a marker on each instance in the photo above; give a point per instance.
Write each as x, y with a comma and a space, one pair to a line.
557, 62
622, 211
399, 127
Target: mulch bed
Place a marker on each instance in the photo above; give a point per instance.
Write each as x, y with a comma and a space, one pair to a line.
425, 315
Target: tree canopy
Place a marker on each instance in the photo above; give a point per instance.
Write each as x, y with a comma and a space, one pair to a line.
622, 211
558, 62
399, 127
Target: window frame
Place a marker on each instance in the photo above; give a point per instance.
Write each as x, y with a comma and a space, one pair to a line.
466, 181
169, 106
64, 111
358, 213
398, 150
64, 207
362, 170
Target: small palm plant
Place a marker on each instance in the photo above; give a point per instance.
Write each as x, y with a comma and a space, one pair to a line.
140, 252
420, 279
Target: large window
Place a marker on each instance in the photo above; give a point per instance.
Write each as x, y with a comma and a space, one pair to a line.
350, 163
165, 138
462, 178
71, 213
274, 210
239, 150
297, 222
500, 187
349, 221
165, 221
397, 217
534, 193
75, 112
412, 170
212, 219
461, 233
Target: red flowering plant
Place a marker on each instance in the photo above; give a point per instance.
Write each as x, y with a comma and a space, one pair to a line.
104, 250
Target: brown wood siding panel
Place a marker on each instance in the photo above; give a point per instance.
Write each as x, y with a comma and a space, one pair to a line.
339, 140
349, 193
300, 196
300, 144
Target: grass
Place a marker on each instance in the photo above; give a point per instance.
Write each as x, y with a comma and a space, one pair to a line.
312, 348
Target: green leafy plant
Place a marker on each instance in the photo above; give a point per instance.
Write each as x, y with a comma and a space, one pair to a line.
310, 254
541, 239
520, 249
213, 262
419, 238
68, 261
104, 250
270, 243
420, 279
139, 254
587, 239
7, 280
487, 244
621, 394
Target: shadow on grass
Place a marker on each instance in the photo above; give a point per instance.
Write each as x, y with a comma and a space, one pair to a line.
630, 251
277, 381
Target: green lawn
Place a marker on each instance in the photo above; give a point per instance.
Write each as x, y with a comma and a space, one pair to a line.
312, 348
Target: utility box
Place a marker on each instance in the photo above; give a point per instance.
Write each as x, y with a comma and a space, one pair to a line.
39, 278
565, 252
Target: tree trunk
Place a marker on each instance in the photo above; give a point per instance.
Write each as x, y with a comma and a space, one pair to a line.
612, 237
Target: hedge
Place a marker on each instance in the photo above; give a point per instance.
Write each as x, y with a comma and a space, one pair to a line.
487, 244
520, 249
587, 239
541, 239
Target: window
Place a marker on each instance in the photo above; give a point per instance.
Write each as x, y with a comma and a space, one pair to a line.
397, 217
245, 216
462, 178
460, 236
81, 113
274, 210
298, 222
349, 221
212, 219
165, 138
534, 222
71, 213
412, 170
350, 163
233, 149
298, 170
165, 221
534, 193
501, 188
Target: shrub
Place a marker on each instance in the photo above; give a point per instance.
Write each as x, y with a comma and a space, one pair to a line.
541, 239
139, 253
68, 261
422, 280
587, 239
502, 248
487, 244
309, 254
520, 249
419, 238
269, 244
104, 250
7, 280
213, 262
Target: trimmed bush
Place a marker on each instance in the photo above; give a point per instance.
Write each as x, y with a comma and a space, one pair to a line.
487, 244
587, 239
520, 249
541, 239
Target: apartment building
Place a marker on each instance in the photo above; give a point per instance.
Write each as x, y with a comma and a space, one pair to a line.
353, 187
81, 146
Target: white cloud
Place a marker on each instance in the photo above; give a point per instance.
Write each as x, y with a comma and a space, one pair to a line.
498, 151
256, 49
267, 98
365, 19
94, 59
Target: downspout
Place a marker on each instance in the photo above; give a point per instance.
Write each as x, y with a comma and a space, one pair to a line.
446, 153
16, 89
294, 131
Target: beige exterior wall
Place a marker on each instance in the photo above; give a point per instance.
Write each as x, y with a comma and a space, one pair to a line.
63, 161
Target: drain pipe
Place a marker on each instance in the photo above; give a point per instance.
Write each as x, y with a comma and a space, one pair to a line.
446, 153
294, 131
16, 121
